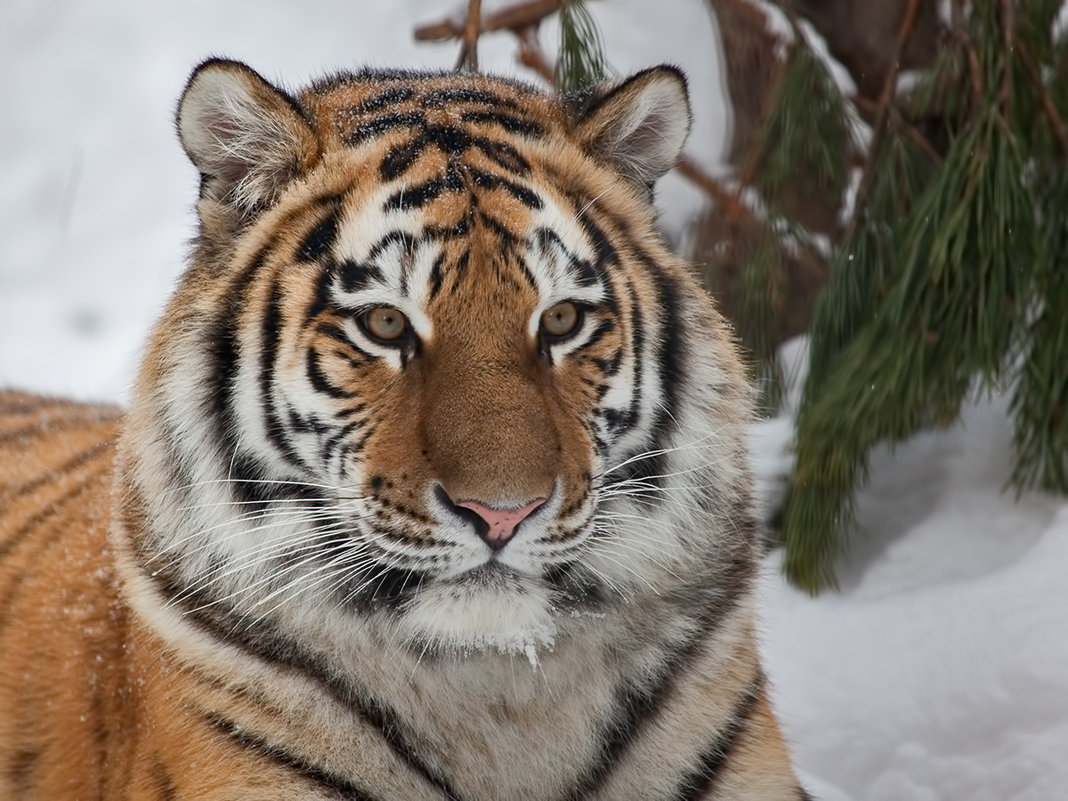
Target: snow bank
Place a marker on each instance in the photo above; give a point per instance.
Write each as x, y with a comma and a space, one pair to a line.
941, 669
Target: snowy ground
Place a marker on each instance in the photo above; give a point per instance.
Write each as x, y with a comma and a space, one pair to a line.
941, 669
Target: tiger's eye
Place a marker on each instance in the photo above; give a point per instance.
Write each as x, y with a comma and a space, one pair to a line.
560, 320
386, 323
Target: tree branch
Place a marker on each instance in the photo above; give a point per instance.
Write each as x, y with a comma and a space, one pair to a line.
1007, 25
532, 56
1048, 106
882, 108
468, 59
513, 18
902, 123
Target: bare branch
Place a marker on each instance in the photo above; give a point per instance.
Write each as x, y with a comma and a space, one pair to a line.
469, 51
513, 18
532, 56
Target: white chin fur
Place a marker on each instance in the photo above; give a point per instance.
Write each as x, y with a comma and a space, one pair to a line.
475, 616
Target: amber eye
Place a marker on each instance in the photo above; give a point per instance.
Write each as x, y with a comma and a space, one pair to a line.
561, 320
385, 323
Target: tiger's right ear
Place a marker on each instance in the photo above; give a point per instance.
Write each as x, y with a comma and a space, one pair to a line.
247, 138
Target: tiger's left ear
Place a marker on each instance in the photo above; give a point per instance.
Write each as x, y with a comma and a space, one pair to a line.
641, 125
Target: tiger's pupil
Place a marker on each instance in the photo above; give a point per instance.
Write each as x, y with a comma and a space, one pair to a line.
386, 323
560, 320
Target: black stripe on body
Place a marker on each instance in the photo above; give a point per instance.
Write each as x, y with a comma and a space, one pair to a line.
803, 795
451, 141
581, 271
525, 271
54, 508
639, 703
264, 642
700, 781
162, 780
20, 769
10, 494
41, 428
670, 354
309, 772
408, 242
603, 328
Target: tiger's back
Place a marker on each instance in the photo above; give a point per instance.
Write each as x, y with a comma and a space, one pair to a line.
433, 483
61, 623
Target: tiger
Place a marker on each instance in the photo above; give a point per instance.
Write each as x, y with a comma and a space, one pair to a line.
432, 483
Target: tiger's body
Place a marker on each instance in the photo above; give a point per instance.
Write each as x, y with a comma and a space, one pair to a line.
433, 484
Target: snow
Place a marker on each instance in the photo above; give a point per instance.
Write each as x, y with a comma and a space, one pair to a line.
940, 671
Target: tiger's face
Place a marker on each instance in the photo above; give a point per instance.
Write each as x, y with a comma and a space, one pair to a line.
433, 356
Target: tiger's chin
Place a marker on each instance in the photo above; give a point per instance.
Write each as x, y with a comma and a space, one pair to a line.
484, 610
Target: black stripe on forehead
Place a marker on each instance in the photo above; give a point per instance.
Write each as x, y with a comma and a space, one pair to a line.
380, 125
488, 180
466, 94
452, 141
510, 122
386, 98
414, 197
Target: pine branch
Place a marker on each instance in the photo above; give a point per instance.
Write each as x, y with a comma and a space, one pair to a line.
1053, 117
964, 41
902, 125
532, 56
1007, 24
883, 106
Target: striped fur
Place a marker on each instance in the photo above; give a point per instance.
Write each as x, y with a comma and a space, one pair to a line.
262, 581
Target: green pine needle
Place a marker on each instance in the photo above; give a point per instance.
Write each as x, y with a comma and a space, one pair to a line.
581, 60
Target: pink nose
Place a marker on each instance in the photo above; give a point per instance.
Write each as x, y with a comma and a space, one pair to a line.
502, 522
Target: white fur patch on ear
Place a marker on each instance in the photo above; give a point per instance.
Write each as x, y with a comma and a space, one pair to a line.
641, 125
242, 133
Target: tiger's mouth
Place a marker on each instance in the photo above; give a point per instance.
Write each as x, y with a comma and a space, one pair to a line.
489, 604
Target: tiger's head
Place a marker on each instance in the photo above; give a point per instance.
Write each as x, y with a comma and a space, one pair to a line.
432, 368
